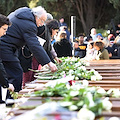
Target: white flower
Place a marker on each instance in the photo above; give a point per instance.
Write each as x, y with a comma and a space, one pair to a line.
74, 93
76, 86
77, 64
79, 74
64, 104
92, 70
93, 78
68, 86
116, 93
101, 91
85, 114
62, 73
96, 73
91, 89
107, 105
87, 64
76, 78
90, 98
85, 83
114, 118
73, 59
98, 77
83, 68
71, 72
73, 107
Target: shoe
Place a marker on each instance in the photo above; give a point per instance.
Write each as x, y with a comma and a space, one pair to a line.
1, 101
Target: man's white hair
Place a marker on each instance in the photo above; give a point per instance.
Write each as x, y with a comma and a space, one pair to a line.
39, 11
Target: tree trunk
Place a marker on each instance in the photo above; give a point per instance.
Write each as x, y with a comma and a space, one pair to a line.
90, 12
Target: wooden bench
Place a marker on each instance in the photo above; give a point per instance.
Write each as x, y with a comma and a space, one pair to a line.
110, 71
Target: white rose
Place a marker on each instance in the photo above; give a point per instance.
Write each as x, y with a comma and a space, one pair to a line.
91, 89
107, 105
85, 83
93, 78
98, 77
101, 91
76, 78
74, 93
92, 70
114, 118
64, 104
116, 93
83, 68
71, 72
62, 73
109, 91
96, 73
76, 86
85, 114
78, 64
73, 107
90, 98
87, 64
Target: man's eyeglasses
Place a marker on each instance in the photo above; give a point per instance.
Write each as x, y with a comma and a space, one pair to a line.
42, 21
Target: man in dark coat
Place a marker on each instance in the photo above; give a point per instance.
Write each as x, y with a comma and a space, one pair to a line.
23, 31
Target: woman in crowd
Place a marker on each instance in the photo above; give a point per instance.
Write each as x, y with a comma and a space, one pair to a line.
102, 53
63, 47
108, 47
4, 23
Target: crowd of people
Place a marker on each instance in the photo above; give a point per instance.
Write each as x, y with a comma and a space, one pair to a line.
96, 47
31, 38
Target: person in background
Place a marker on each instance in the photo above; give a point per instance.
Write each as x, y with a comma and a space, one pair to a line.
116, 48
48, 35
117, 29
111, 38
62, 22
4, 23
91, 52
80, 47
102, 53
88, 39
64, 27
53, 28
93, 33
108, 47
63, 47
99, 36
23, 31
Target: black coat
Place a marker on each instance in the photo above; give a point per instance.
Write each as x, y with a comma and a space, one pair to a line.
63, 48
22, 31
3, 76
